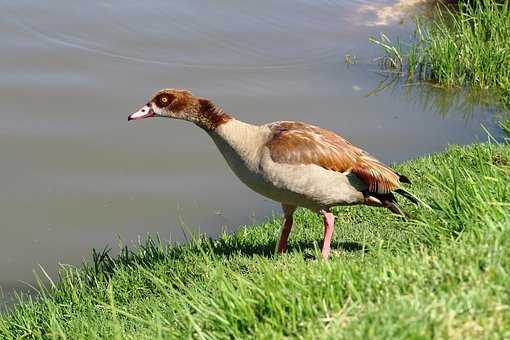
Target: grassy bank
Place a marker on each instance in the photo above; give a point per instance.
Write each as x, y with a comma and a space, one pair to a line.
443, 274
468, 46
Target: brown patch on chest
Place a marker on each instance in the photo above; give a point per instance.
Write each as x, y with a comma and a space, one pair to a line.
210, 115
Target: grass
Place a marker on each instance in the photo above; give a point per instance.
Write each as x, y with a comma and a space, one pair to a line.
469, 47
443, 274
505, 125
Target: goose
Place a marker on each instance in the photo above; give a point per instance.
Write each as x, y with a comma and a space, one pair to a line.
291, 162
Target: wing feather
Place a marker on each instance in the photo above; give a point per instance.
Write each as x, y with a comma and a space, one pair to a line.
301, 143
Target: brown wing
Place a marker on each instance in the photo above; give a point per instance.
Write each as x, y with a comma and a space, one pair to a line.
300, 143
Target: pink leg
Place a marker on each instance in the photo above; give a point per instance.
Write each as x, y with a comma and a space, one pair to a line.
329, 226
288, 210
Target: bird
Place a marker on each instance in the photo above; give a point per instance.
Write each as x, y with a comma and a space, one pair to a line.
291, 162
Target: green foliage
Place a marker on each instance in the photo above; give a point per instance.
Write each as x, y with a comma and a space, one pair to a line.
505, 125
442, 274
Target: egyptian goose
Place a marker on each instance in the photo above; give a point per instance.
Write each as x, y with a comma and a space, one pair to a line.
294, 163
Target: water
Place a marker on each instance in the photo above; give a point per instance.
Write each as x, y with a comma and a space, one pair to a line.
76, 175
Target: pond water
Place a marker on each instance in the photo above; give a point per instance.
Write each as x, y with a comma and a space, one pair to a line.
75, 175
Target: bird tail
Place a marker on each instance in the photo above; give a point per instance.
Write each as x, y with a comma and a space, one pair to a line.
407, 195
389, 201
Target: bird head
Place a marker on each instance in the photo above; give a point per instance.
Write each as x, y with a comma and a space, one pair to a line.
181, 104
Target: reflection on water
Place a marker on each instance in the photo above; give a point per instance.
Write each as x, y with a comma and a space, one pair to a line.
76, 176
383, 14
440, 101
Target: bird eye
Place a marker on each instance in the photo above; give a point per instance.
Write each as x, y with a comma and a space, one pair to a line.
163, 99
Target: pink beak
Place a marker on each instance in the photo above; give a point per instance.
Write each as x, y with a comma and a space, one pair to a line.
144, 112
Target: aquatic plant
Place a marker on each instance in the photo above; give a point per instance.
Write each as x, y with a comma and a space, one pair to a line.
468, 47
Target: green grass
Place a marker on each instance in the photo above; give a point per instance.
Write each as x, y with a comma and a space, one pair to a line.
469, 47
444, 274
505, 125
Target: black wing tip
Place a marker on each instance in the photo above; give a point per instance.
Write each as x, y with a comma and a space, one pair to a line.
403, 179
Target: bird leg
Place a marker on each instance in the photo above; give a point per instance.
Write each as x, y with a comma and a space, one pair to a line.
288, 211
329, 226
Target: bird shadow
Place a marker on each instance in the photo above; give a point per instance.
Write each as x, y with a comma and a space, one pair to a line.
103, 264
268, 249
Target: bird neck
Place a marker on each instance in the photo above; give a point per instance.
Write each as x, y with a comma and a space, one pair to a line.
240, 138
208, 115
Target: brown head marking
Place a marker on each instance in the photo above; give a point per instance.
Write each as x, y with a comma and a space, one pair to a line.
164, 99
